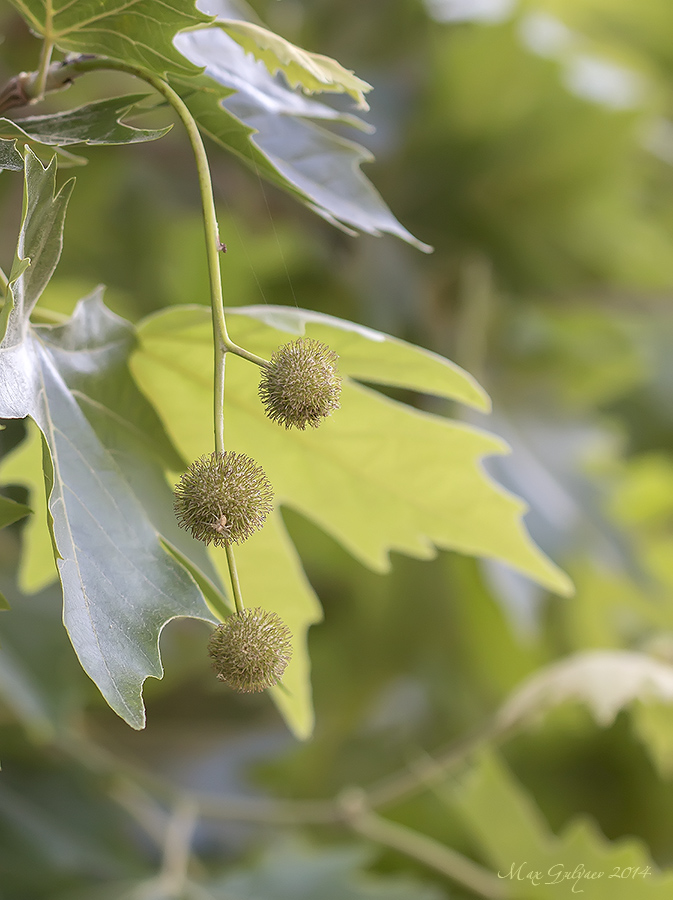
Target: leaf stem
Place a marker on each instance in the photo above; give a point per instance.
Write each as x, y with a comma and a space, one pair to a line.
235, 584
44, 316
43, 70
353, 808
222, 341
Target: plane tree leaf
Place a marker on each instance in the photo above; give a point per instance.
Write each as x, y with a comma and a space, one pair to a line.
37, 566
41, 680
292, 870
271, 572
243, 108
136, 31
95, 123
120, 585
38, 248
377, 475
311, 71
10, 158
605, 680
11, 511
532, 861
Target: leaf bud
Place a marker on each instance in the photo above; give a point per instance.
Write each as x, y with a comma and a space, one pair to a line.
223, 498
251, 649
301, 384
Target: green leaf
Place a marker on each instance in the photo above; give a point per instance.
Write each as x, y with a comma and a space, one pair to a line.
40, 678
38, 248
312, 71
11, 511
120, 586
653, 723
605, 680
37, 567
139, 31
536, 864
272, 576
95, 123
377, 475
266, 125
10, 158
294, 871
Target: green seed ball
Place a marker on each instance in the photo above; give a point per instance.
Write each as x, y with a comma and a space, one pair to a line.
223, 498
301, 384
251, 650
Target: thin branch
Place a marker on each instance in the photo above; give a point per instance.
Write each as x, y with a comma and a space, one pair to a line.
420, 847
177, 849
427, 770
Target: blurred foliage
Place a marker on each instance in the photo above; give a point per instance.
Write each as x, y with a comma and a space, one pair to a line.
534, 150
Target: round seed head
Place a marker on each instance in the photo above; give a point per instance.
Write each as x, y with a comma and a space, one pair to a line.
301, 384
223, 498
251, 650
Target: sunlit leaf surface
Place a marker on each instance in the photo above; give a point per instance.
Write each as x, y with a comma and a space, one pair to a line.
313, 72
511, 832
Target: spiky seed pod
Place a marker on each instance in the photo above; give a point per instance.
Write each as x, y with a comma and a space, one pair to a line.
301, 385
251, 650
223, 498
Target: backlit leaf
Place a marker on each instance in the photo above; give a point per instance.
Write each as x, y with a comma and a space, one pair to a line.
37, 567
311, 71
533, 862
377, 475
605, 680
11, 511
272, 576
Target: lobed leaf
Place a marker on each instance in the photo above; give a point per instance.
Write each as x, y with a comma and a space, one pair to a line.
120, 585
266, 125
11, 511
311, 71
135, 31
95, 123
605, 680
513, 835
292, 870
37, 567
38, 249
10, 158
272, 576
377, 475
